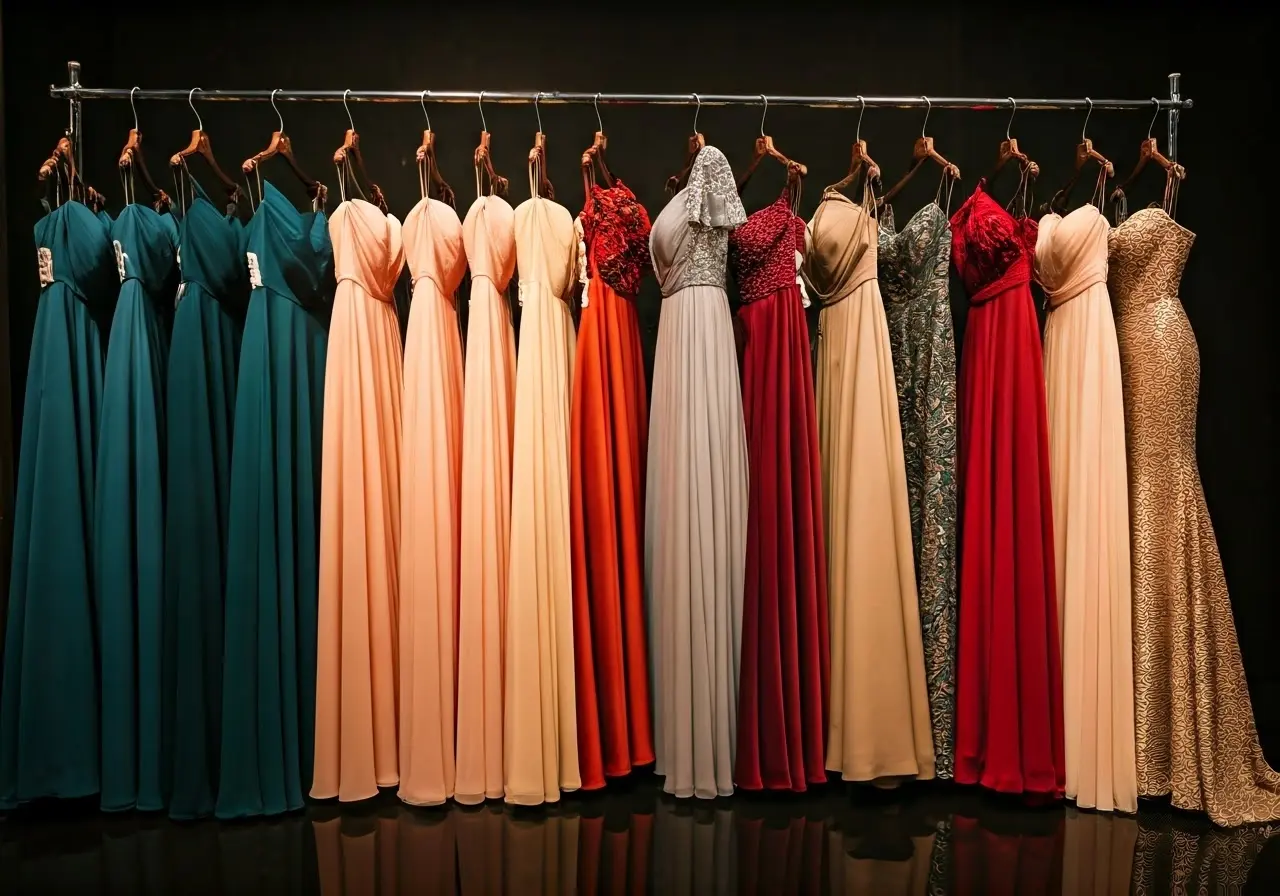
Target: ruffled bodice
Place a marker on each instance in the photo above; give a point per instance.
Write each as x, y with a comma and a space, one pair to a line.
367, 248
73, 247
289, 252
546, 247
488, 234
689, 242
841, 248
991, 248
767, 249
210, 253
615, 230
145, 243
1147, 254
433, 249
1071, 253
918, 255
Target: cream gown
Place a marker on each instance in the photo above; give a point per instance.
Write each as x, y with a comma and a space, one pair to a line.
430, 504
1089, 482
356, 651
541, 733
696, 494
488, 414
880, 724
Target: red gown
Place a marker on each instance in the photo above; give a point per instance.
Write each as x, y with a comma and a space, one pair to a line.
608, 436
1009, 673
784, 684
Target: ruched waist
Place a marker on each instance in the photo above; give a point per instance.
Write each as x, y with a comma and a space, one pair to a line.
845, 291
714, 284
1068, 291
1018, 273
387, 299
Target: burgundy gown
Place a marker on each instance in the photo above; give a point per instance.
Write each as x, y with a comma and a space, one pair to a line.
784, 684
1009, 676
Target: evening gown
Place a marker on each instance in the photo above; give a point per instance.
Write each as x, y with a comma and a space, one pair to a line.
49, 732
540, 727
1196, 737
1090, 494
914, 272
356, 652
128, 509
608, 437
879, 726
207, 325
785, 680
696, 488
1009, 734
269, 677
430, 504
488, 416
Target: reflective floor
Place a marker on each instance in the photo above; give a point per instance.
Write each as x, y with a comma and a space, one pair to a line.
921, 841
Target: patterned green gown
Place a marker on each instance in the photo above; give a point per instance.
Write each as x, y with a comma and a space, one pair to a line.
49, 705
268, 696
128, 532
914, 278
201, 403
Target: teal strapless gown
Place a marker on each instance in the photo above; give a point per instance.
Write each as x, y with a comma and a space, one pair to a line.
49, 704
269, 689
201, 409
128, 533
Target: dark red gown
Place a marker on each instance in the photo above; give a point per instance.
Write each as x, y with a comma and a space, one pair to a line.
1009, 673
785, 673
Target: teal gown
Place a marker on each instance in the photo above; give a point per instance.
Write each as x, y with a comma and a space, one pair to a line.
128, 534
269, 688
49, 703
201, 408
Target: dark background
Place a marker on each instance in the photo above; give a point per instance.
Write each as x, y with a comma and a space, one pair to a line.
1057, 50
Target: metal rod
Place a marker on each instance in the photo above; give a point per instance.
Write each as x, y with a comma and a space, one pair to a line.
1175, 95
75, 129
660, 99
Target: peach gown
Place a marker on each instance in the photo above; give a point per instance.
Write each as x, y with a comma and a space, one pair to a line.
359, 512
541, 752
488, 415
430, 504
1089, 479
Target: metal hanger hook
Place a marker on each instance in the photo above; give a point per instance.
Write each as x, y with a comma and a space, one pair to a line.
350, 120
1084, 128
697, 99
536, 111
480, 102
1149, 127
425, 94
857, 134
928, 110
135, 108
199, 122
765, 114
276, 109
595, 102
1009, 127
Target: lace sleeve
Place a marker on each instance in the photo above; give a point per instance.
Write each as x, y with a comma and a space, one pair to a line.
712, 196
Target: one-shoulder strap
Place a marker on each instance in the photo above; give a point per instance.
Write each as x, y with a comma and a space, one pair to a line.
711, 197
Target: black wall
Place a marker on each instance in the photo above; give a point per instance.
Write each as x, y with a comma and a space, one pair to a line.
1057, 50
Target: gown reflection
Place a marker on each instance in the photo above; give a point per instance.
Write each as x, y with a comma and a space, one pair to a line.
917, 842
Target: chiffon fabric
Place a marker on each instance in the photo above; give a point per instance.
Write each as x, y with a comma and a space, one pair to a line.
786, 663
1090, 491
1196, 737
356, 650
540, 722
607, 450
1009, 733
430, 504
488, 417
880, 725
128, 509
696, 495
49, 722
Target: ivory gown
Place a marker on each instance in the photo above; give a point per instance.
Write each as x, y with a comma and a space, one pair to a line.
430, 504
541, 726
488, 415
1089, 487
356, 653
879, 724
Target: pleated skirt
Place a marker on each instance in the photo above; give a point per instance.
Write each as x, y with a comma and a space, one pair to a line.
430, 527
695, 542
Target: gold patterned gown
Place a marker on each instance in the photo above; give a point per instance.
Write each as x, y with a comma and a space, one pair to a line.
1196, 738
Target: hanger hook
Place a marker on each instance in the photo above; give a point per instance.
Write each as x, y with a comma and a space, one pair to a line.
928, 110
276, 109
595, 102
537, 96
765, 114
1084, 128
199, 122
423, 100
350, 120
480, 102
1149, 127
857, 135
697, 99
1008, 127
135, 108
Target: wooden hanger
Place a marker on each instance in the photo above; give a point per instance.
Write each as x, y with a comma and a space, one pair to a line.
350, 161
201, 146
428, 168
921, 152
696, 142
764, 149
1009, 151
1084, 153
132, 159
538, 157
281, 146
483, 160
860, 160
1148, 151
594, 156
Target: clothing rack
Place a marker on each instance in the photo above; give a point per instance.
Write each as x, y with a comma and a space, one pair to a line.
75, 93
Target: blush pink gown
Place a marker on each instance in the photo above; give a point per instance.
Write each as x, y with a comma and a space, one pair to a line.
360, 512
